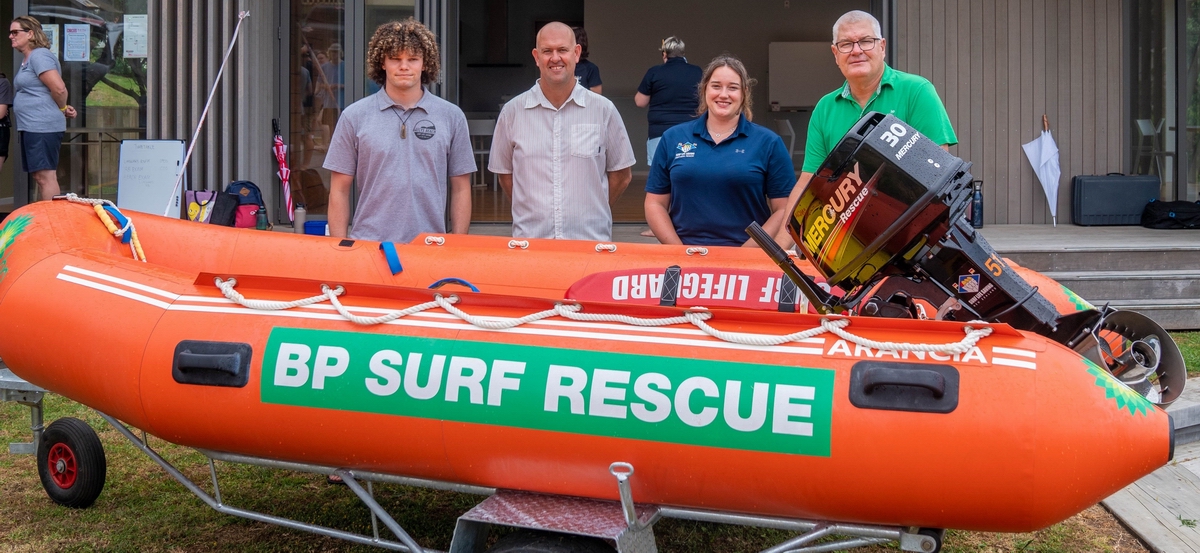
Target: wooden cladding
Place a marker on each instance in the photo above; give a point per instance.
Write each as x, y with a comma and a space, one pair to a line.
188, 39
999, 65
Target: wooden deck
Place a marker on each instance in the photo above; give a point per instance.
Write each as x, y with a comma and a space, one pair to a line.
1163, 508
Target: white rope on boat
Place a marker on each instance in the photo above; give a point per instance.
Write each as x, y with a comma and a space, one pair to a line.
611, 248
357, 319
226, 287
430, 240
697, 316
973, 335
523, 244
696, 250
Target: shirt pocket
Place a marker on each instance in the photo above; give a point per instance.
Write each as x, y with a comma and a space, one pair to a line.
585, 140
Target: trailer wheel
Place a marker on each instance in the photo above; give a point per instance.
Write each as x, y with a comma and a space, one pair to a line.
937, 534
529, 541
71, 463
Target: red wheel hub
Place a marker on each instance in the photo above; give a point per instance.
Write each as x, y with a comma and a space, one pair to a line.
63, 466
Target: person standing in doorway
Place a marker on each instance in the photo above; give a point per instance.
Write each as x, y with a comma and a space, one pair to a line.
6, 100
400, 145
670, 91
333, 70
586, 72
560, 150
40, 104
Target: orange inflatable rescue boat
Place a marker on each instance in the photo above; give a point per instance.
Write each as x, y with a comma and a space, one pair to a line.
728, 385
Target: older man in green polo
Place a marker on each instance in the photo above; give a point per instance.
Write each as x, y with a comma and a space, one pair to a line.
871, 85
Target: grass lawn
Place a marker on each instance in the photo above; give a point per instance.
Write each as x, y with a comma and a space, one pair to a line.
104, 95
144, 509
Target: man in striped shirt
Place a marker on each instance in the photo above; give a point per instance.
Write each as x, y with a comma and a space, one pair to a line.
560, 150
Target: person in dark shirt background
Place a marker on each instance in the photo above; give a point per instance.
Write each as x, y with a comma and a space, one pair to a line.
669, 90
586, 72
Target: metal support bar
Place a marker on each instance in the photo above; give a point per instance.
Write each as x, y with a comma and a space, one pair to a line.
252, 515
839, 545
361, 475
819, 531
863, 534
376, 509
14, 388
622, 471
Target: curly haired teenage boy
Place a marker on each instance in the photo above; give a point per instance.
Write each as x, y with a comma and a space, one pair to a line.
400, 145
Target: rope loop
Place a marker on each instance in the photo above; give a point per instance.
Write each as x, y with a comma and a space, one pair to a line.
430, 240
610, 248
98, 205
696, 250
523, 244
696, 316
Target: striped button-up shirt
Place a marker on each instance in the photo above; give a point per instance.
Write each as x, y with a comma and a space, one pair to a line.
559, 159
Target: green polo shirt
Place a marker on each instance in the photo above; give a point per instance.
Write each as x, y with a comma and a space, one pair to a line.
910, 97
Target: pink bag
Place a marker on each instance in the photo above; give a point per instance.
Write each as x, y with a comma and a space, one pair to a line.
245, 216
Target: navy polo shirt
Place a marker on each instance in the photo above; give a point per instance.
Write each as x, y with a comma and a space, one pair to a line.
718, 189
673, 94
588, 74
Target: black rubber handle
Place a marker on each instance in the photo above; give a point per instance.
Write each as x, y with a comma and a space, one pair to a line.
223, 362
823, 301
916, 378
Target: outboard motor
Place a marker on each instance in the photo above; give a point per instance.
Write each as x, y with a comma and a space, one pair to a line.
883, 220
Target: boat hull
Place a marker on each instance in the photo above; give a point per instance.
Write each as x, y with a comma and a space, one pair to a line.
1037, 433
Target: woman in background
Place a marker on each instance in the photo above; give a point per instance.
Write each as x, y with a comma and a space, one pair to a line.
40, 104
586, 72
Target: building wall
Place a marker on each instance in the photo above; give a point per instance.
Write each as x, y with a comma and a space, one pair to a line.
188, 39
999, 65
625, 35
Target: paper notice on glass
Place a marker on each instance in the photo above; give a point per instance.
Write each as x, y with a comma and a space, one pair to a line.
136, 35
52, 34
77, 41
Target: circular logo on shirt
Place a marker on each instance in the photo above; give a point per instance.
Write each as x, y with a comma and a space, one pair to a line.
424, 129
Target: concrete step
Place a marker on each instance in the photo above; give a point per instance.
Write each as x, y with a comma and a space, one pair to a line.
1177, 314
1140, 285
1100, 259
1185, 413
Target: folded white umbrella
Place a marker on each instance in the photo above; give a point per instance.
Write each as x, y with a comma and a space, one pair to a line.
1043, 156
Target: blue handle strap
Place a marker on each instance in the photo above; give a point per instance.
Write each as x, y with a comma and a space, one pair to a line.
452, 280
121, 222
393, 258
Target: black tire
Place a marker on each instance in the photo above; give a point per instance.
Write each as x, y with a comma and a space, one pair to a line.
71, 463
937, 534
529, 541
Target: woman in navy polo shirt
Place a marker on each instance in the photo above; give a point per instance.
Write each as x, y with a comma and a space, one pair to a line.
711, 177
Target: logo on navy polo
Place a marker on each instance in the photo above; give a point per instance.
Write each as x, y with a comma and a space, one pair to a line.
424, 129
686, 149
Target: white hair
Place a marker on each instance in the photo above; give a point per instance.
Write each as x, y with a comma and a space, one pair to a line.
857, 16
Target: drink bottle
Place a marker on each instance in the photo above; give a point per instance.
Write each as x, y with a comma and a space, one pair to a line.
299, 216
260, 221
977, 204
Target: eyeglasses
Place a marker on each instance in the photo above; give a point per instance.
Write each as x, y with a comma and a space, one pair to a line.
866, 44
15, 32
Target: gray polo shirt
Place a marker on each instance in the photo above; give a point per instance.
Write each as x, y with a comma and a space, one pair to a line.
402, 182
35, 109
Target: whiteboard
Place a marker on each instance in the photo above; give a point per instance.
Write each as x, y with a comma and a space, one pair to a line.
801, 73
147, 173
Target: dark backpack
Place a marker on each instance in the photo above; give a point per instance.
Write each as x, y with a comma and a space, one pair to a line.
238, 206
1171, 215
